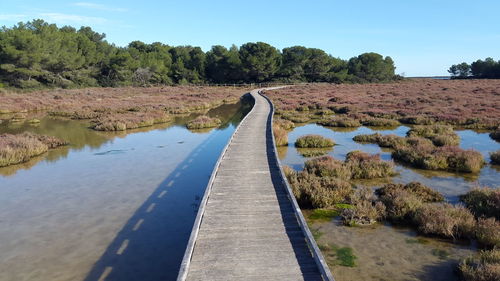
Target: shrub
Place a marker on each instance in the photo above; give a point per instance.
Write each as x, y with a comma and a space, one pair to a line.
382, 140
440, 135
327, 166
318, 192
400, 204
285, 124
340, 122
495, 157
365, 166
380, 122
445, 220
313, 141
488, 232
439, 158
129, 120
203, 121
422, 192
20, 148
484, 266
365, 209
483, 201
296, 118
418, 120
280, 135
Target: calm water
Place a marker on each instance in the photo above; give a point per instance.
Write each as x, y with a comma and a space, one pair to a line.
385, 252
110, 204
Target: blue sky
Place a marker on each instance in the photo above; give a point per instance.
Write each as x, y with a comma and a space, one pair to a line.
423, 37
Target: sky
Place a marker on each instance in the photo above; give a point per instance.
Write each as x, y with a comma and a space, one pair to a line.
423, 37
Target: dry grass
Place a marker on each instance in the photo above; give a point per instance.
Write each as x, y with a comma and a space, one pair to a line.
358, 165
427, 156
345, 122
484, 266
115, 109
488, 232
403, 201
365, 208
314, 141
312, 191
440, 135
129, 120
280, 135
483, 201
422, 192
202, 122
445, 220
467, 103
20, 148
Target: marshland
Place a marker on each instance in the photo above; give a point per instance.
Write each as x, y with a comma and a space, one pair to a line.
106, 147
403, 194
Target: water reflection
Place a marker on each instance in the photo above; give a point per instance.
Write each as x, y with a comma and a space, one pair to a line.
119, 204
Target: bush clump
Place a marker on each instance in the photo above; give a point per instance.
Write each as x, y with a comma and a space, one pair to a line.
365, 208
358, 165
440, 135
20, 148
483, 201
488, 232
365, 166
403, 201
495, 157
445, 220
296, 117
202, 122
484, 266
285, 124
380, 122
129, 120
314, 141
390, 141
401, 205
340, 122
427, 156
328, 166
422, 192
312, 191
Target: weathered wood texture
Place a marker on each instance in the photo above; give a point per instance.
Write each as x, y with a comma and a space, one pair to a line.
248, 227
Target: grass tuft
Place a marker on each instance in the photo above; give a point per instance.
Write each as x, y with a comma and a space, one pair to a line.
202, 122
314, 141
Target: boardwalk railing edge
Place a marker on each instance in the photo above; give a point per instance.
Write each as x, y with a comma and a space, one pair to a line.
186, 260
313, 246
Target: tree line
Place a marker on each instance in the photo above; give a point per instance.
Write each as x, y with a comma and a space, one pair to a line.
37, 54
488, 68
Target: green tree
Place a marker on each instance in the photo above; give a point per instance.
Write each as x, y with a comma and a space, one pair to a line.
371, 67
260, 61
462, 70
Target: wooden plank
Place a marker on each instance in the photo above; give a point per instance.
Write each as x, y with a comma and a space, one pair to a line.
248, 227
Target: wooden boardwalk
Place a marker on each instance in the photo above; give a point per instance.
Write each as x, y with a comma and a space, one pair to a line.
249, 226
